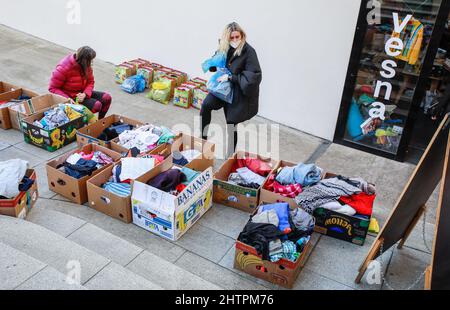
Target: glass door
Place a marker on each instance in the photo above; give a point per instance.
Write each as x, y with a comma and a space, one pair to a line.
384, 79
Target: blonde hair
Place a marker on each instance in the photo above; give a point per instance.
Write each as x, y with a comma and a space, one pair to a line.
224, 44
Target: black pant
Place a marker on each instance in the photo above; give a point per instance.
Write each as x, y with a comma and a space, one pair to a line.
213, 103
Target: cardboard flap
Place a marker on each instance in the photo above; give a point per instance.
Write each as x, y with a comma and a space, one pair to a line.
153, 200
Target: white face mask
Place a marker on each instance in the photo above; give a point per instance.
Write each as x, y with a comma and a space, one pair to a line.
235, 44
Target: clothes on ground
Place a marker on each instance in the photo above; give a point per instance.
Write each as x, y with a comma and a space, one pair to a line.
348, 196
133, 168
120, 189
114, 131
267, 230
254, 164
289, 191
303, 174
327, 190
79, 165
145, 138
12, 173
267, 217
282, 210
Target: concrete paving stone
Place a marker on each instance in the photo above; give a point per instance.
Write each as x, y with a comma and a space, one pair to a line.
206, 242
405, 268
416, 240
49, 279
4, 145
11, 136
225, 220
216, 274
50, 248
116, 249
228, 262
129, 232
309, 280
16, 267
115, 277
43, 154
58, 197
58, 222
340, 260
41, 174
167, 275
13, 153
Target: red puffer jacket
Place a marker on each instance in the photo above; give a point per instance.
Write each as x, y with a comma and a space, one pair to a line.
67, 79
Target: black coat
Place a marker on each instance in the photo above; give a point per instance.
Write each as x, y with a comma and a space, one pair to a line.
246, 77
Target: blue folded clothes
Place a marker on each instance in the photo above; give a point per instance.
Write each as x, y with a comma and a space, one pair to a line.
303, 174
120, 189
81, 169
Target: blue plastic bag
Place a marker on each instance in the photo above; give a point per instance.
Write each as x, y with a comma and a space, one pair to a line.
221, 90
134, 84
219, 60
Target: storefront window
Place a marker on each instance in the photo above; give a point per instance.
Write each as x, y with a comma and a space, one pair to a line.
393, 53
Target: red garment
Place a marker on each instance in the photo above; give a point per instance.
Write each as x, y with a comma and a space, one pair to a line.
290, 191
67, 79
256, 165
362, 203
180, 187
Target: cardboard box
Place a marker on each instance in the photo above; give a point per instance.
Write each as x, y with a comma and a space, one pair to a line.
69, 187
147, 73
89, 133
164, 214
109, 203
185, 142
235, 196
199, 81
199, 96
36, 104
24, 202
182, 97
340, 226
283, 273
268, 197
124, 71
6, 120
7, 87
54, 139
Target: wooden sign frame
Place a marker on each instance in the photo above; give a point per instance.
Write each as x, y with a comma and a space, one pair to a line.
432, 169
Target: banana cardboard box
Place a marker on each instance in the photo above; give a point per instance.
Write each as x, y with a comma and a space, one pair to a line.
24, 202
54, 139
283, 272
167, 215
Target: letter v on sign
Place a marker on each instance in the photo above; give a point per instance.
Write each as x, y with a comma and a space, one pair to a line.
397, 27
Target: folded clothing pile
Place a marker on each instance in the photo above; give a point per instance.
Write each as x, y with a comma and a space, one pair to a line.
185, 157
13, 102
249, 172
146, 137
13, 179
57, 116
289, 181
349, 196
129, 168
277, 232
114, 131
173, 181
80, 164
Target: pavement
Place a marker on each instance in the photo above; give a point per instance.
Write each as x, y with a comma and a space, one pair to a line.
38, 253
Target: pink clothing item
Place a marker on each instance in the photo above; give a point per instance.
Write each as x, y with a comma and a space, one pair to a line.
67, 79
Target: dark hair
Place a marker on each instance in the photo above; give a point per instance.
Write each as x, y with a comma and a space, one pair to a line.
84, 57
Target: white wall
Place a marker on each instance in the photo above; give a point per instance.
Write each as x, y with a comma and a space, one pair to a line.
303, 45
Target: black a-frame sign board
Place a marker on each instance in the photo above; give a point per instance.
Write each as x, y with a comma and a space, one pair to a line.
432, 169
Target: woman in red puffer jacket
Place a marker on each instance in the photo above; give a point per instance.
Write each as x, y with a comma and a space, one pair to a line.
74, 78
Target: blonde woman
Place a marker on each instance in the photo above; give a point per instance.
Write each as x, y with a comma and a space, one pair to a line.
245, 78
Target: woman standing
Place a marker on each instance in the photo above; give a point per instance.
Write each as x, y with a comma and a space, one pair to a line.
74, 78
245, 78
